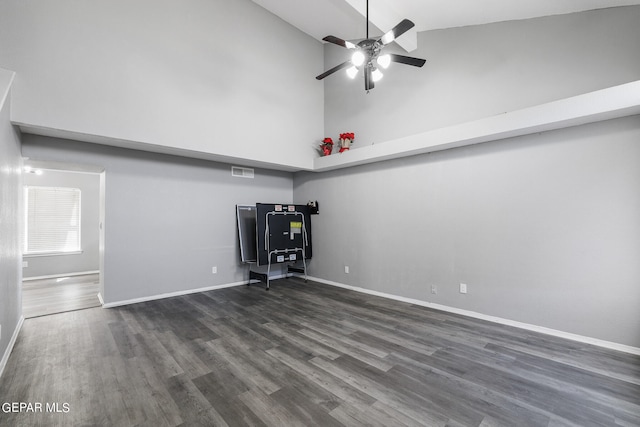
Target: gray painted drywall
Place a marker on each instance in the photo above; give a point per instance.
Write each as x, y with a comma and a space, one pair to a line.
168, 220
543, 228
485, 70
89, 185
204, 76
10, 219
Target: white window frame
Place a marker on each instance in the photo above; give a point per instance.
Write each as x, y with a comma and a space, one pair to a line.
75, 249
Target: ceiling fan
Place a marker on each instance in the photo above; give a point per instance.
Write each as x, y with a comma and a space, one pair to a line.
367, 54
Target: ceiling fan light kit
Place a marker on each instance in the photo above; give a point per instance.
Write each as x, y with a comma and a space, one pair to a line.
384, 60
352, 72
367, 54
357, 59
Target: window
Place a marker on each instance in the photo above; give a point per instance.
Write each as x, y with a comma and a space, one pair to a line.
52, 220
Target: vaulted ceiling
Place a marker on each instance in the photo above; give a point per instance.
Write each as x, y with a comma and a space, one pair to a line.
345, 18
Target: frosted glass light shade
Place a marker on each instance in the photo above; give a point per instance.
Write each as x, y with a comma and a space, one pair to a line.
384, 61
376, 75
352, 71
388, 38
357, 58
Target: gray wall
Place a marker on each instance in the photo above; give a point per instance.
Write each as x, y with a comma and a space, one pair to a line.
485, 70
543, 229
168, 219
10, 220
89, 185
206, 76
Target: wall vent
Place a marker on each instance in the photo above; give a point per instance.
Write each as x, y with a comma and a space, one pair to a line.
241, 172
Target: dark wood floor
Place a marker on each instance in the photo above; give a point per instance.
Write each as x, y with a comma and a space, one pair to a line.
48, 296
308, 354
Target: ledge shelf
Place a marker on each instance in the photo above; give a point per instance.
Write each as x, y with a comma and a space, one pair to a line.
605, 104
614, 102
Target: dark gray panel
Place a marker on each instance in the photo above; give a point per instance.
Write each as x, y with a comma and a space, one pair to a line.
247, 233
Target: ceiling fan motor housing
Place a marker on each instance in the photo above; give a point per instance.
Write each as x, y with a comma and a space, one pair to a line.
371, 49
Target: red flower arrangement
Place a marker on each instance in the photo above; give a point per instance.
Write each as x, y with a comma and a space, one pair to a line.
345, 140
326, 146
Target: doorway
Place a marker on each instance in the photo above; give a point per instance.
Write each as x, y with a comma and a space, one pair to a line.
63, 250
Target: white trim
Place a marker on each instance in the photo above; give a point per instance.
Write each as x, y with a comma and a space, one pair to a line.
7, 353
55, 276
42, 254
185, 292
541, 329
5, 94
100, 299
171, 294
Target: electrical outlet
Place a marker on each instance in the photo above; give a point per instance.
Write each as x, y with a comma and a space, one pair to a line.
214, 270
434, 289
346, 269
463, 288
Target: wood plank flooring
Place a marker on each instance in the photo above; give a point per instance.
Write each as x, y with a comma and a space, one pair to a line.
306, 354
48, 296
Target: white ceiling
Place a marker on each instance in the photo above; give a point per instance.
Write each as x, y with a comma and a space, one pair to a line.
345, 18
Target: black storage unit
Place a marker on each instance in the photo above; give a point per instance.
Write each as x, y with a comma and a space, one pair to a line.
272, 233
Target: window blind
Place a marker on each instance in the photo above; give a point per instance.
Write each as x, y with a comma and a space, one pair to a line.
52, 220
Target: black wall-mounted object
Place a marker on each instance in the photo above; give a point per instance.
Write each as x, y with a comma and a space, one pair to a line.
314, 208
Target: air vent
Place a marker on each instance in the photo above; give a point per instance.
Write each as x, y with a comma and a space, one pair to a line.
241, 172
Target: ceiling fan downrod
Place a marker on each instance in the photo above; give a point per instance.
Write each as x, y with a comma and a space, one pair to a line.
367, 18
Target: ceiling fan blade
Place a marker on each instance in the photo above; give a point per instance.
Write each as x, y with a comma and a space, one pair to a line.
368, 79
339, 42
404, 26
345, 64
408, 60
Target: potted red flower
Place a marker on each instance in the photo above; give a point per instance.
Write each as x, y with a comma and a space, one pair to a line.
346, 139
326, 146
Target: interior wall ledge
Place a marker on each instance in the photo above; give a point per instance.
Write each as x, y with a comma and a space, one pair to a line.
35, 129
605, 104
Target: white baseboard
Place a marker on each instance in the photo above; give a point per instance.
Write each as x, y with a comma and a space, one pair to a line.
100, 299
548, 331
12, 342
56, 276
179, 293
